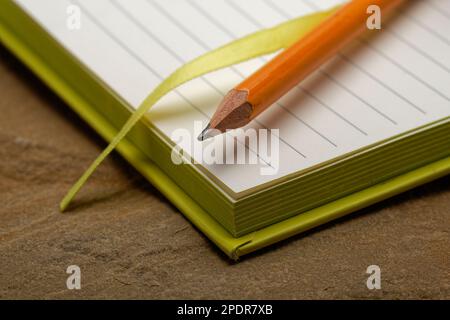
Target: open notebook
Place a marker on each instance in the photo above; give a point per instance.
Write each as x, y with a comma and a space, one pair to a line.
372, 122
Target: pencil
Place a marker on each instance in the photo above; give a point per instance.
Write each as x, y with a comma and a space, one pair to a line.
264, 87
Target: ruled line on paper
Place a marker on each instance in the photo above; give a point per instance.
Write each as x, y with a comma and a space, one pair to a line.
326, 106
404, 69
299, 87
419, 50
344, 57
134, 55
182, 61
337, 82
437, 8
315, 7
126, 48
350, 61
325, 73
233, 37
185, 30
368, 44
425, 27
321, 102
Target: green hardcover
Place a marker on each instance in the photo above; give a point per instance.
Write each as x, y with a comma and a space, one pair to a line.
20, 34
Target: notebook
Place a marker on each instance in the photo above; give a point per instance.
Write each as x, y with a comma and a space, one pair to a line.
372, 122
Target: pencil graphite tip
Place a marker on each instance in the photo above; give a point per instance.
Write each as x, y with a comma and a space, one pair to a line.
208, 133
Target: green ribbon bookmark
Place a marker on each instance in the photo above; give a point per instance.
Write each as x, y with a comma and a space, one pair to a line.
252, 46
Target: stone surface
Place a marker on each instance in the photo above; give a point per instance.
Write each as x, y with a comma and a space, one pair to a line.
130, 242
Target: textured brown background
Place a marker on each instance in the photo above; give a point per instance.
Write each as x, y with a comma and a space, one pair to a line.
130, 242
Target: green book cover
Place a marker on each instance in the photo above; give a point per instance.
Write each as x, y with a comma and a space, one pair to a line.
244, 221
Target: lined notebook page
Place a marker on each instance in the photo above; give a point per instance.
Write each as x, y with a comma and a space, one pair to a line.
376, 88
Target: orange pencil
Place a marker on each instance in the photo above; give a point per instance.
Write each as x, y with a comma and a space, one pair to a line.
277, 77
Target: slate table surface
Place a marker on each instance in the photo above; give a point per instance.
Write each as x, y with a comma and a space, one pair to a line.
130, 242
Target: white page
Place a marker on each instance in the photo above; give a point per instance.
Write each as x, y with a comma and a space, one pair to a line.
370, 92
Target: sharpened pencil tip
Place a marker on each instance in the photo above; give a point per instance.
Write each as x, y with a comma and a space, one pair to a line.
207, 133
